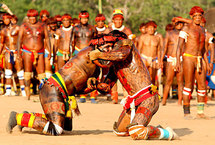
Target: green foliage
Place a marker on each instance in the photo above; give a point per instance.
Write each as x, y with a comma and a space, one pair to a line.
135, 11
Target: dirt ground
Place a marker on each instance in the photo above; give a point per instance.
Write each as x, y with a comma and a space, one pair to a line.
94, 126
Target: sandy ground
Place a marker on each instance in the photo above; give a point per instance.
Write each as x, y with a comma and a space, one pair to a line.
94, 126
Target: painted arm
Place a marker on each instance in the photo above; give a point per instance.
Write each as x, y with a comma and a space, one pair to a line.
181, 42
5, 7
118, 54
72, 40
185, 20
140, 44
2, 41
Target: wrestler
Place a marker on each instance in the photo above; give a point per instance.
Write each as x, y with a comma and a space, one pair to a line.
195, 62
63, 36
117, 24
149, 46
52, 25
56, 95
170, 46
31, 37
81, 36
44, 15
142, 102
9, 38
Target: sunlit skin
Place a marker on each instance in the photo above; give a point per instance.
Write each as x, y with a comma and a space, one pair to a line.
44, 17
118, 22
197, 18
32, 20
150, 30
143, 30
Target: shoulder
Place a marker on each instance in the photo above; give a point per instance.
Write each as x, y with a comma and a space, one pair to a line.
127, 31
186, 28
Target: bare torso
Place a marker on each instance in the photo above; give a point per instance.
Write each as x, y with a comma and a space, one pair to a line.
172, 37
11, 36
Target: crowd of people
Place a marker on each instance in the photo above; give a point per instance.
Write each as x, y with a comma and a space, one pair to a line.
64, 53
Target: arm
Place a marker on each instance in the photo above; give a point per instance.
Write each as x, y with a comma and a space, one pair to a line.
140, 44
118, 54
20, 39
2, 41
72, 48
6, 9
47, 41
159, 53
177, 19
166, 41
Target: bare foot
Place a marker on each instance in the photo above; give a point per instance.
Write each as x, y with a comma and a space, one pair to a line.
163, 103
202, 116
188, 117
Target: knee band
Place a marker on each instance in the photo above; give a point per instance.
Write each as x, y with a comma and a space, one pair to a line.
53, 129
8, 73
41, 76
187, 91
138, 132
201, 92
164, 134
27, 75
20, 74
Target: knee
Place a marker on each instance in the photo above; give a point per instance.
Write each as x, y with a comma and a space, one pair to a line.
138, 132
20, 75
52, 129
27, 75
8, 73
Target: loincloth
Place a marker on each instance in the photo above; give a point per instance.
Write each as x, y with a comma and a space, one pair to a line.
57, 81
198, 61
173, 61
13, 55
64, 54
131, 102
150, 60
34, 54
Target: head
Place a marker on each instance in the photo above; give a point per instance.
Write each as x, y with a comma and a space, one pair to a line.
84, 17
203, 22
142, 28
44, 15
179, 25
169, 27
66, 20
52, 23
75, 21
118, 18
7, 19
58, 19
151, 27
196, 13
100, 20
32, 16
14, 19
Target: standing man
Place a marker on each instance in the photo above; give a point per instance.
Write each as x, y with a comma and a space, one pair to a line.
195, 62
81, 36
149, 46
117, 24
9, 36
100, 24
63, 36
31, 38
170, 47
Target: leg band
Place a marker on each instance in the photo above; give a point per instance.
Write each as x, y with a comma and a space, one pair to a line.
201, 92
200, 108
187, 91
41, 76
27, 76
164, 133
8, 73
186, 108
138, 132
25, 119
53, 129
20, 74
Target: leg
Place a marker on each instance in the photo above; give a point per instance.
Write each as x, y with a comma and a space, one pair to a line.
8, 75
179, 76
201, 78
48, 68
40, 68
169, 79
114, 94
188, 67
60, 62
